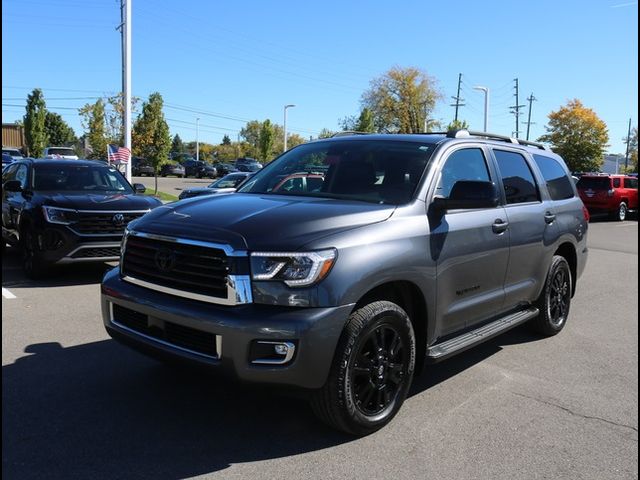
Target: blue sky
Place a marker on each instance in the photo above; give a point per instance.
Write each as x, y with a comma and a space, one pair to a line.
240, 61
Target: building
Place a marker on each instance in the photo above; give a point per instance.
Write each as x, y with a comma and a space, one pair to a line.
13, 135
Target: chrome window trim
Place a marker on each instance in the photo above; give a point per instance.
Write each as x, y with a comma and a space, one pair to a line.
165, 343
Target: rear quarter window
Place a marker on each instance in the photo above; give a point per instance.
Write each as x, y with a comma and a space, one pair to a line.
559, 184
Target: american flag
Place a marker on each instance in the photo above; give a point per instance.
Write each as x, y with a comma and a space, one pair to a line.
118, 154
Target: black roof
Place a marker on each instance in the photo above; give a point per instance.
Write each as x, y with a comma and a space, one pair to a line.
62, 162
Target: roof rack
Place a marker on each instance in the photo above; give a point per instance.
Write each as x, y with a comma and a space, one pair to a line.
463, 133
349, 132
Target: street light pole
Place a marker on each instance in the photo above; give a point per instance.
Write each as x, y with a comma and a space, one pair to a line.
127, 83
197, 142
285, 126
486, 106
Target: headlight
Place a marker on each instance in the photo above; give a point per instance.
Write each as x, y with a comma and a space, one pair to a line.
63, 216
296, 269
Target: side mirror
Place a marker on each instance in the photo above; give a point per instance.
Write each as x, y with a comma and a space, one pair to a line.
468, 194
12, 186
139, 188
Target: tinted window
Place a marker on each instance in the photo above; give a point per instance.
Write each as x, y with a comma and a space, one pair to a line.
616, 183
61, 151
519, 185
83, 178
594, 183
465, 164
558, 183
630, 183
21, 175
9, 173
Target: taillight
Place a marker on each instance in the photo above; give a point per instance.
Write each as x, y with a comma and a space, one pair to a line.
585, 212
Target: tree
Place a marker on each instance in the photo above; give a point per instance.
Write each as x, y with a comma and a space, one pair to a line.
251, 134
34, 124
266, 138
577, 134
114, 117
58, 131
226, 140
150, 137
93, 121
401, 100
326, 133
364, 123
176, 145
458, 125
633, 150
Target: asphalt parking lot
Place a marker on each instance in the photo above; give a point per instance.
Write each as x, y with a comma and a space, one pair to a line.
78, 405
172, 185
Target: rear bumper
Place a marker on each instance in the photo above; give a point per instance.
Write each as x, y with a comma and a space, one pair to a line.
313, 331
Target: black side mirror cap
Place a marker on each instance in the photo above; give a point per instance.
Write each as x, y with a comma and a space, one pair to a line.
139, 188
12, 186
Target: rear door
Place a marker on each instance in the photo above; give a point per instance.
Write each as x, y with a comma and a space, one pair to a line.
470, 247
630, 186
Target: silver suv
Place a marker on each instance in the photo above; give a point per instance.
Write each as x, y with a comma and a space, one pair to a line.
404, 250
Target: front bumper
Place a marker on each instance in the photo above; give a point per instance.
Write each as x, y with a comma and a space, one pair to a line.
314, 332
57, 244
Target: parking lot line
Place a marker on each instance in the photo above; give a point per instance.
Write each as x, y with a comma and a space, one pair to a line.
7, 294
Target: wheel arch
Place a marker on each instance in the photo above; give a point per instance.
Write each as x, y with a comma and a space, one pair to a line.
568, 251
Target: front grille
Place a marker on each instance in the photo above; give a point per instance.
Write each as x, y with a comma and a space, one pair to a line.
190, 268
169, 332
98, 223
97, 252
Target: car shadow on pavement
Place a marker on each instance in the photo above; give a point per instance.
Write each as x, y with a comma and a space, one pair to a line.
78, 274
100, 410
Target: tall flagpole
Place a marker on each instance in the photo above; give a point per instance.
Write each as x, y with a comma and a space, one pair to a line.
127, 83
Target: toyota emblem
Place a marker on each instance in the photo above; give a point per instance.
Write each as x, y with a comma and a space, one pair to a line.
118, 219
165, 259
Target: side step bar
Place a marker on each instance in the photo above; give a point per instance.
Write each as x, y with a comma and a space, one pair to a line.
470, 339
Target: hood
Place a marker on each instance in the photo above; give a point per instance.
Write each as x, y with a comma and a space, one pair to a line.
92, 201
260, 222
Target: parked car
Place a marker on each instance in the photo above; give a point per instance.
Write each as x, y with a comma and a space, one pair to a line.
140, 166
247, 164
199, 169
172, 169
416, 247
616, 195
227, 184
15, 153
298, 182
62, 211
224, 168
6, 159
66, 153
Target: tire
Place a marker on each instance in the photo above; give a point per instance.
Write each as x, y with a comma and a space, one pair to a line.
621, 214
32, 265
364, 391
555, 300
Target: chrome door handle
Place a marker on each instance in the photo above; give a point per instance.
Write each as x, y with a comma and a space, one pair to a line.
499, 226
549, 217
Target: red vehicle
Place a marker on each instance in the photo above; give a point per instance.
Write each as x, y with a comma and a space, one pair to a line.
616, 195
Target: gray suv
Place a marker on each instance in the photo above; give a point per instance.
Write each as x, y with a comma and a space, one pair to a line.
411, 248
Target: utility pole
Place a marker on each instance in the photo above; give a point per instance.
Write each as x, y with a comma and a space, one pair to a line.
125, 38
626, 155
531, 99
457, 99
516, 109
197, 141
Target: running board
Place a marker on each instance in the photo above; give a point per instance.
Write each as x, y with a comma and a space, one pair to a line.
470, 339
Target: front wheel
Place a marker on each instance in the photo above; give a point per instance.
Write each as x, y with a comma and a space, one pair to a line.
32, 265
371, 372
555, 299
621, 213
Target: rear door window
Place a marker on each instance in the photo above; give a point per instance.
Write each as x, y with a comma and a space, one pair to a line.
630, 183
559, 184
518, 181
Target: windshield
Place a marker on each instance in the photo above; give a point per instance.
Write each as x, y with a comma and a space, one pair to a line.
61, 151
594, 183
380, 171
229, 181
12, 151
83, 178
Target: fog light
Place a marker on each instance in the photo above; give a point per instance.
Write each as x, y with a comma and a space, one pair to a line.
269, 352
281, 348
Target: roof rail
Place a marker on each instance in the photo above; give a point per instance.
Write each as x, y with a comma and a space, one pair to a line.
349, 132
463, 133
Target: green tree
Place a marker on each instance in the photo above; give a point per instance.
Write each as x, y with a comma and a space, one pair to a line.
633, 150
577, 134
267, 135
226, 140
458, 125
114, 116
251, 135
35, 132
150, 137
363, 123
326, 133
93, 122
177, 146
401, 100
58, 131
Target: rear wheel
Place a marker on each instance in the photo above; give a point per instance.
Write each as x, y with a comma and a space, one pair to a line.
555, 299
371, 372
621, 213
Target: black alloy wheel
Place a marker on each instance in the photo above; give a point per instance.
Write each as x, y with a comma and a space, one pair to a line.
555, 300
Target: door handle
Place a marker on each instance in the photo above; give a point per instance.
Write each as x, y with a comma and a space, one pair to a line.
549, 217
499, 226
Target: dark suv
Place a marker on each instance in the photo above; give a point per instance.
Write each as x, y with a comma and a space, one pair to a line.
198, 169
67, 211
406, 248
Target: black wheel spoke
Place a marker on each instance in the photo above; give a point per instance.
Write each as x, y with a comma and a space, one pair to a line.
395, 343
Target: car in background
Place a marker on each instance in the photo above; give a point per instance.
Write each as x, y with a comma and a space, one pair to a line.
247, 164
15, 153
199, 169
67, 211
225, 168
66, 153
227, 184
140, 166
174, 169
299, 182
6, 159
615, 195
